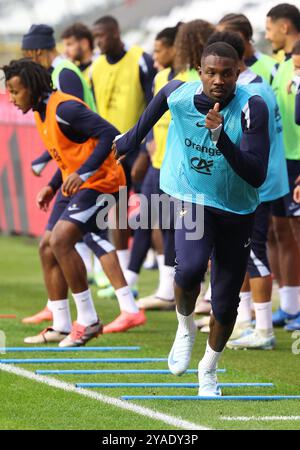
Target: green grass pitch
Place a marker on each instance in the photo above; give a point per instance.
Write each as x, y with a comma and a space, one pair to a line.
26, 404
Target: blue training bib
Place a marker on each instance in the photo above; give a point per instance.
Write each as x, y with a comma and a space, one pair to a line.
193, 165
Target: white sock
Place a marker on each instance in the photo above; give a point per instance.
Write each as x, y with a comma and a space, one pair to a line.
186, 324
150, 259
244, 309
131, 277
86, 313
61, 315
263, 316
207, 295
124, 258
49, 304
126, 300
166, 280
210, 358
86, 255
160, 261
97, 265
289, 299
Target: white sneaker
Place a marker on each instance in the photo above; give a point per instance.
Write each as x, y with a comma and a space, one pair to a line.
241, 329
155, 303
203, 322
208, 383
180, 354
254, 340
47, 335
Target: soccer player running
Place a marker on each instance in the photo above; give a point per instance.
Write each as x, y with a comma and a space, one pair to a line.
80, 142
283, 31
218, 146
258, 62
275, 186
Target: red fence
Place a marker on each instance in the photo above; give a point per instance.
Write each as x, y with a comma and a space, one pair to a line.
20, 144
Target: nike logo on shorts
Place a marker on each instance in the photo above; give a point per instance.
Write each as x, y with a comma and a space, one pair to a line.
247, 243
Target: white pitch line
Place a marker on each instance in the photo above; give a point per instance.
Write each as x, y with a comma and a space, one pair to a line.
258, 418
68, 387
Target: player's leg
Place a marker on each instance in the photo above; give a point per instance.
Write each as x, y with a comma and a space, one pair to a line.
87, 258
229, 263
55, 282
192, 257
289, 260
294, 220
295, 226
130, 315
289, 255
58, 301
70, 229
243, 322
273, 252
262, 337
121, 235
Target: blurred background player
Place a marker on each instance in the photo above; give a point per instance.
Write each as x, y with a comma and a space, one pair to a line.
122, 81
258, 62
78, 44
190, 40
283, 30
259, 280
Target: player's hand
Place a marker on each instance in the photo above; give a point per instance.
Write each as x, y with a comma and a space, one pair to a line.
72, 184
214, 118
44, 197
296, 195
116, 154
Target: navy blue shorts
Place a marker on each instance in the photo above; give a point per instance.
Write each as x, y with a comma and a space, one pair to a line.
258, 265
226, 240
83, 210
285, 206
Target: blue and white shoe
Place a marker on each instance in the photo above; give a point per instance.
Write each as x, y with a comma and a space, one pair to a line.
181, 352
280, 317
293, 325
208, 383
253, 340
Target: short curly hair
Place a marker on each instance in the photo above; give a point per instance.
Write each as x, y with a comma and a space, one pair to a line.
189, 43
